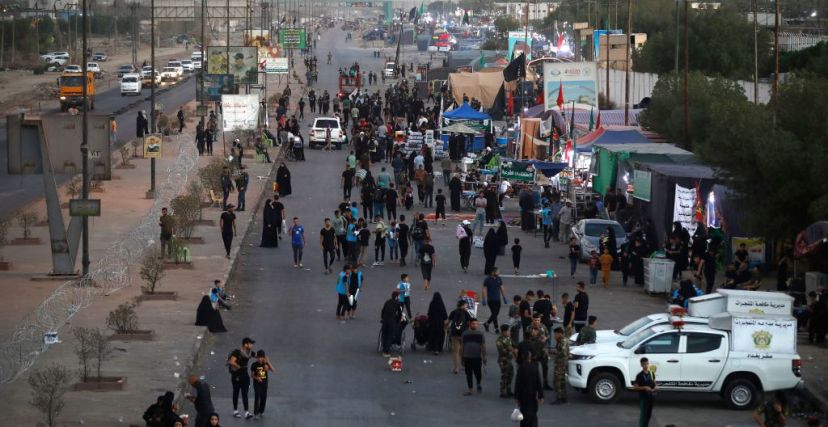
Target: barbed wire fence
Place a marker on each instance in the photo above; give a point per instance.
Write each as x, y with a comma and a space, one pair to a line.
109, 274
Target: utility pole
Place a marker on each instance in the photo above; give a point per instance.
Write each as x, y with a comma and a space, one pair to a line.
37, 26
677, 36
133, 7
775, 55
85, 147
203, 58
627, 68
607, 93
755, 55
686, 76
247, 35
151, 192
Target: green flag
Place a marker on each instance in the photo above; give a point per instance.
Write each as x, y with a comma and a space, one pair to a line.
422, 9
465, 17
482, 62
591, 120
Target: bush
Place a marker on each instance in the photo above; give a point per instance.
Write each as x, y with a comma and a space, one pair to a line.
26, 219
124, 150
83, 349
48, 387
210, 175
152, 268
186, 212
123, 320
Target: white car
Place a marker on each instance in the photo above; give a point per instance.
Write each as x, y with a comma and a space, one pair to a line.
693, 358
59, 58
197, 64
73, 69
187, 65
126, 69
646, 322
318, 131
588, 234
131, 84
94, 67
179, 68
195, 56
390, 70
169, 74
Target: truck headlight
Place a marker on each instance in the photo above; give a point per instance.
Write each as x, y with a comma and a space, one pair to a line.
580, 357
63, 98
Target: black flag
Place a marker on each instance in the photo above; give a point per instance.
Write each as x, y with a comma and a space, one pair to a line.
412, 13
516, 69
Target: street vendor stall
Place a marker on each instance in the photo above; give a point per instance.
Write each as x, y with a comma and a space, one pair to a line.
471, 118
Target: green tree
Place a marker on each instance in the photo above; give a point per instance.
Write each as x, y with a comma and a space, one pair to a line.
666, 112
720, 43
813, 59
504, 24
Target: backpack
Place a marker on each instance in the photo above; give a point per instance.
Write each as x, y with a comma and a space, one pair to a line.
379, 195
458, 325
417, 233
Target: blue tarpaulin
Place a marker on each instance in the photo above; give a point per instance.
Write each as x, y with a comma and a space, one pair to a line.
465, 112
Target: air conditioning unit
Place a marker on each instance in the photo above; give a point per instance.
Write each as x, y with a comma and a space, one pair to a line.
815, 280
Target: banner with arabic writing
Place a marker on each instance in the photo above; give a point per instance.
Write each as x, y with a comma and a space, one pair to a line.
684, 208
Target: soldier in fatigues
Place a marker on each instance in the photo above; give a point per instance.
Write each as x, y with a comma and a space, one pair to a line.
535, 339
505, 354
561, 357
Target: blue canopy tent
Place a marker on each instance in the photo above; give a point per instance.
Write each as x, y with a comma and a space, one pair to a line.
469, 116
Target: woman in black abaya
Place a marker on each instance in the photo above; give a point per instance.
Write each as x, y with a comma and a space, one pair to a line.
269, 229
208, 316
437, 317
490, 248
502, 238
283, 180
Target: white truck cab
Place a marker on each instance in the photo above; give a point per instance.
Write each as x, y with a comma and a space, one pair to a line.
738, 355
646, 322
131, 84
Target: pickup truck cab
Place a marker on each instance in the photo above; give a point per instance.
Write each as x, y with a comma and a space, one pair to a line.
126, 69
131, 84
94, 67
390, 70
169, 74
640, 324
73, 69
757, 355
179, 68
318, 131
187, 65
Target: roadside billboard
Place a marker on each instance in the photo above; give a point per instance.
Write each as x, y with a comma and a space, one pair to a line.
241, 112
578, 79
293, 38
256, 38
243, 60
519, 41
216, 85
277, 66
266, 52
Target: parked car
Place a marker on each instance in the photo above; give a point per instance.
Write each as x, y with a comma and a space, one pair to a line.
147, 79
318, 130
187, 65
390, 70
126, 69
197, 64
100, 57
588, 234
73, 69
131, 84
636, 326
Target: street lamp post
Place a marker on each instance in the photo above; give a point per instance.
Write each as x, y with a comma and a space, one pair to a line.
85, 146
151, 192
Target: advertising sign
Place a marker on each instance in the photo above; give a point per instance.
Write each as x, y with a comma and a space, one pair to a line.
85, 207
216, 85
152, 146
642, 181
519, 41
754, 246
266, 52
256, 38
244, 62
293, 38
518, 171
277, 66
578, 79
761, 337
241, 112
684, 208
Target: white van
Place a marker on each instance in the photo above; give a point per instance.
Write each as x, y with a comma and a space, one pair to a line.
131, 84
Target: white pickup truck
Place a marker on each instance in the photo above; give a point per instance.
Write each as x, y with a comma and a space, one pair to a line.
739, 356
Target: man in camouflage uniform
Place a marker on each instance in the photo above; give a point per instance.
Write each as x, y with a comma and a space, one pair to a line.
505, 354
561, 356
535, 339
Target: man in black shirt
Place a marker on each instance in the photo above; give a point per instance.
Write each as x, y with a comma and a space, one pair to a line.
391, 197
328, 241
528, 388
441, 207
202, 401
237, 364
569, 313
227, 223
544, 306
525, 309
403, 238
260, 371
645, 385
347, 182
581, 306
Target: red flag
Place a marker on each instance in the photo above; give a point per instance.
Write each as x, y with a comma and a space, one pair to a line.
598, 122
560, 41
510, 104
560, 100
699, 214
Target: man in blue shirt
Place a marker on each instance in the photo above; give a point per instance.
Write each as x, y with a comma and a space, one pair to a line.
342, 292
297, 241
546, 220
351, 240
554, 210
404, 287
493, 293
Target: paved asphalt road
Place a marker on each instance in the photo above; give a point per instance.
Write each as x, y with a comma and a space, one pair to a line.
328, 372
18, 190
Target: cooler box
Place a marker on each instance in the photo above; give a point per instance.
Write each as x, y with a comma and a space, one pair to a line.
707, 305
658, 275
501, 141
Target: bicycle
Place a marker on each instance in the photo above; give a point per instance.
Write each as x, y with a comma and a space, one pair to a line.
290, 154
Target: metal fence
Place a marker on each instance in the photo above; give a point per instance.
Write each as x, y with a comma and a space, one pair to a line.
109, 274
